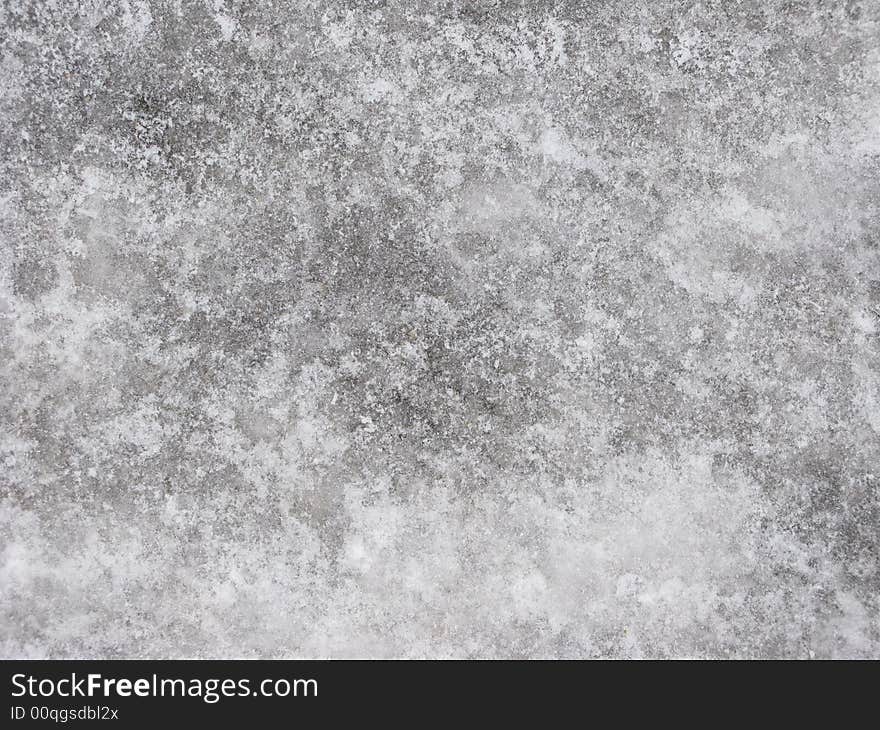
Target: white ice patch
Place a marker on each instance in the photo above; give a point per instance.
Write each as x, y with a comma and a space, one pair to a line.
556, 145
226, 23
227, 26
136, 16
380, 89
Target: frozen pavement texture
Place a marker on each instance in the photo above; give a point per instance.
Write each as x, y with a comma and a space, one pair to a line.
448, 329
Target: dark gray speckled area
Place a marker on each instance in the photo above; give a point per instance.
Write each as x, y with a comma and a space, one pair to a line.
439, 329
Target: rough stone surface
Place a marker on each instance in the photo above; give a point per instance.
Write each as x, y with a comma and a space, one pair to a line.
439, 329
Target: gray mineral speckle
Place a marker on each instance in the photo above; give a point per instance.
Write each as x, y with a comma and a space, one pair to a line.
439, 329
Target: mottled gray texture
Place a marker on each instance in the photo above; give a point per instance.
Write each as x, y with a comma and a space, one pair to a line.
474, 329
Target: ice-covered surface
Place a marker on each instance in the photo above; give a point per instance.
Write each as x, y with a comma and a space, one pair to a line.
473, 329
